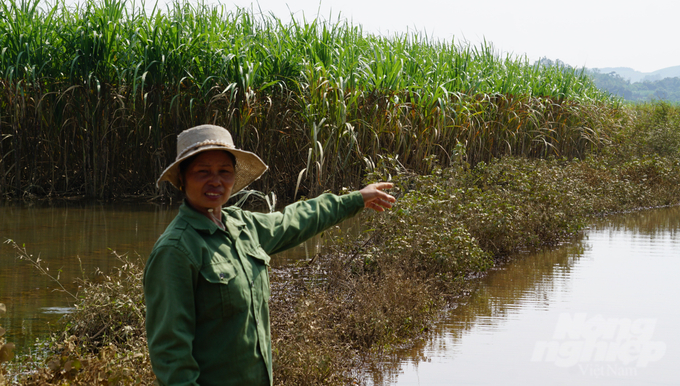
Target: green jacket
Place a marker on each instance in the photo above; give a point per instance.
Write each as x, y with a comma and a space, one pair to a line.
207, 290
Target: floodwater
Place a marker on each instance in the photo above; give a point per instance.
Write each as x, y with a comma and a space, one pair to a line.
73, 240
602, 310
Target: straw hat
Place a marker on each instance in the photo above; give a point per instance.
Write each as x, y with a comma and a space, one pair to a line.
249, 167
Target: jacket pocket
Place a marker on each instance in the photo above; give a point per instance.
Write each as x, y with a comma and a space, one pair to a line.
220, 294
261, 260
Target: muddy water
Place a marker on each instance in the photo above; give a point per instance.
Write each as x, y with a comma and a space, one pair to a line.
74, 240
603, 310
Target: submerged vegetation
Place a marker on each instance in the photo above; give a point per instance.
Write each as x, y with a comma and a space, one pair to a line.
491, 157
449, 226
334, 316
89, 94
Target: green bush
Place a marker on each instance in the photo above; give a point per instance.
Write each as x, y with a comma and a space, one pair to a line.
655, 129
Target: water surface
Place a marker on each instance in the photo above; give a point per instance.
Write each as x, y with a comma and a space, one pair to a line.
603, 310
73, 240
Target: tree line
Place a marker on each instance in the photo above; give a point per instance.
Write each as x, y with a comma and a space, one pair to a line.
667, 89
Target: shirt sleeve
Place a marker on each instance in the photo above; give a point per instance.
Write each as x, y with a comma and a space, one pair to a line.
169, 279
302, 220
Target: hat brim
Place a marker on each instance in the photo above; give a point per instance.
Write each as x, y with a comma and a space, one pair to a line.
249, 167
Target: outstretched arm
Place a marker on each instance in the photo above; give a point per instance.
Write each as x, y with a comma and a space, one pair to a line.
299, 221
375, 198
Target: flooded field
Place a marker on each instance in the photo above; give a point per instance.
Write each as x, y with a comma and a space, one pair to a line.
602, 310
73, 241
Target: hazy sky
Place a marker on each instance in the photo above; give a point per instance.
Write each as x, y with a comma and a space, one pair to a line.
641, 34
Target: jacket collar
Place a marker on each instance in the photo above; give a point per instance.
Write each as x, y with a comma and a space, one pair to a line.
201, 223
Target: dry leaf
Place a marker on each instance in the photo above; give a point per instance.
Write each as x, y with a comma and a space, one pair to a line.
7, 352
54, 364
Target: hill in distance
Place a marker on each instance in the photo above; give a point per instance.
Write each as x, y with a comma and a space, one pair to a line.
631, 85
636, 76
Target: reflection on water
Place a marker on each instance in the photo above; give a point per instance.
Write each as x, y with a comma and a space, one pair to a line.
73, 240
601, 310
57, 310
